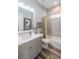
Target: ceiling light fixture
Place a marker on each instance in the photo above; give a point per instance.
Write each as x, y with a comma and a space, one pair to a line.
55, 3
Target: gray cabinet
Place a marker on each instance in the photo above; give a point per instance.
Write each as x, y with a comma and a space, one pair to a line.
30, 49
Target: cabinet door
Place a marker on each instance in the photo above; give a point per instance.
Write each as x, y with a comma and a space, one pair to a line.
26, 51
37, 46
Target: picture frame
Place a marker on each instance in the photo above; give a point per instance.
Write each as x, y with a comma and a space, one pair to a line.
27, 24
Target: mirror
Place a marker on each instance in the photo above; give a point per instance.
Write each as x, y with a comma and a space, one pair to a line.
26, 17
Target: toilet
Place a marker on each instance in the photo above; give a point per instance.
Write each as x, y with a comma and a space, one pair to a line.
45, 43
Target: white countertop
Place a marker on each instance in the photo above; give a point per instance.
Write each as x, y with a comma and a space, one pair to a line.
22, 40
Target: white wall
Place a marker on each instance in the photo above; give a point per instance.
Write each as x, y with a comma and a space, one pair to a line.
54, 24
20, 21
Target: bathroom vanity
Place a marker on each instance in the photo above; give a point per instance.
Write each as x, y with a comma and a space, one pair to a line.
29, 47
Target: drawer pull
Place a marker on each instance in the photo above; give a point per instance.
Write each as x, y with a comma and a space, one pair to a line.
29, 47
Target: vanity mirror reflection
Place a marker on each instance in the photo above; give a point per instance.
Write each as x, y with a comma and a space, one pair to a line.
26, 18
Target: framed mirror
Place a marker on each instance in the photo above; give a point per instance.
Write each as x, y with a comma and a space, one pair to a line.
26, 17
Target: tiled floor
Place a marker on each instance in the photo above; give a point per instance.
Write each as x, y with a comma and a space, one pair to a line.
42, 55
45, 54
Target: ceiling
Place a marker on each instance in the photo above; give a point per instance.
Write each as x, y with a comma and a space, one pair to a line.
49, 3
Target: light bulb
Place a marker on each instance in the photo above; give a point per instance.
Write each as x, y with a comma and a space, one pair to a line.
55, 3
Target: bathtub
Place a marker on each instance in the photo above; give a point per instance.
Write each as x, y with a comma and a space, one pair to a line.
54, 41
